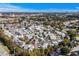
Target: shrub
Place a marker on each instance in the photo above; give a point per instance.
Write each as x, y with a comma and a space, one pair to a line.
65, 50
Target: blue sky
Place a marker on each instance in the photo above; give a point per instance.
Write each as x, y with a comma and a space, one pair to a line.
39, 7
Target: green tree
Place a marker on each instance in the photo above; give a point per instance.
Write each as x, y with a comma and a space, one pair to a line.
65, 50
71, 34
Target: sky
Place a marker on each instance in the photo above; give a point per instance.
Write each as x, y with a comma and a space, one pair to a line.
39, 7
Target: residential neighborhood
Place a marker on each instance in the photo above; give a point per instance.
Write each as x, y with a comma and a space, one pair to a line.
39, 34
39, 29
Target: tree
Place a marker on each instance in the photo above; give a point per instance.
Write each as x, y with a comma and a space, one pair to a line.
66, 41
71, 34
65, 50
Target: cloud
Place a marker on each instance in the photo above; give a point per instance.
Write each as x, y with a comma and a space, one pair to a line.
77, 8
13, 8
